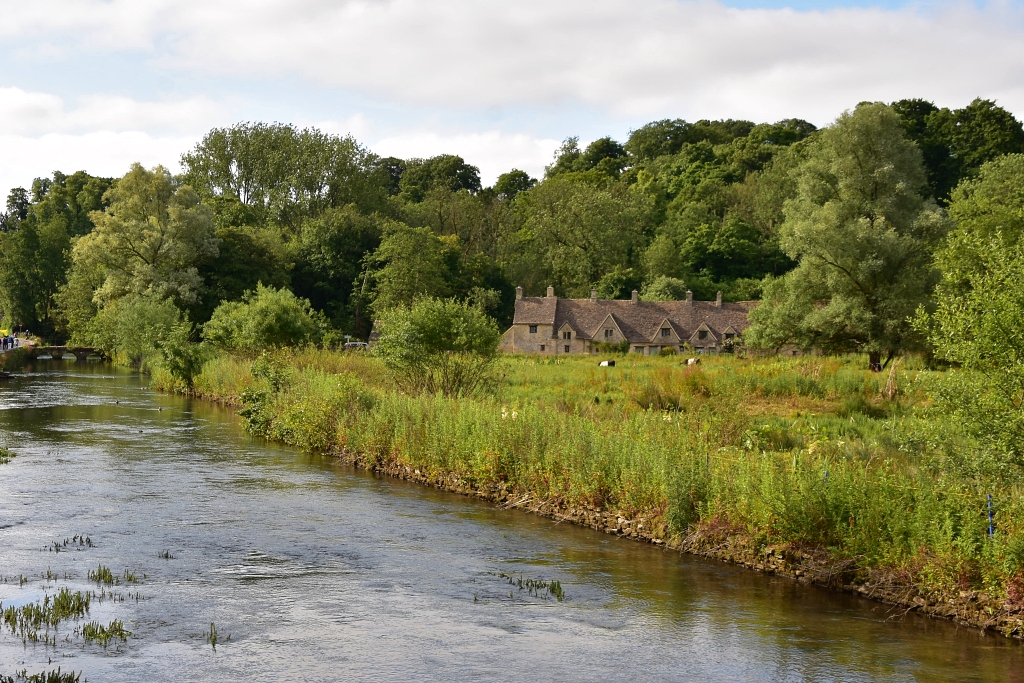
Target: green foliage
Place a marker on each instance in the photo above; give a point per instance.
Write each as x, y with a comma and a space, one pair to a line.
447, 172
412, 263
438, 345
331, 269
246, 256
863, 238
35, 245
259, 173
573, 234
980, 312
182, 357
512, 183
263, 319
131, 327
665, 289
150, 239
955, 143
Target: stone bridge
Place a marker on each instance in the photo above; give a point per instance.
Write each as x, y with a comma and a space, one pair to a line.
58, 352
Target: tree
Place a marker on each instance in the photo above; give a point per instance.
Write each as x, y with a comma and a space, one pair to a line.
260, 173
604, 155
438, 346
665, 289
330, 265
512, 183
151, 238
955, 143
266, 318
411, 263
573, 233
246, 256
447, 171
35, 245
862, 237
979, 312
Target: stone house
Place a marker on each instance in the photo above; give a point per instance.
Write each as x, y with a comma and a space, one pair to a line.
552, 326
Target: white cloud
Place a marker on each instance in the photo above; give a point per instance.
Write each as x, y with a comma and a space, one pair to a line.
102, 154
33, 113
635, 58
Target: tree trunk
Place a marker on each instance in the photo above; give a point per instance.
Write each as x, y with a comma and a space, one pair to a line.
875, 361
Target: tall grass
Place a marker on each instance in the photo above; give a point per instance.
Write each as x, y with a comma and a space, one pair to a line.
813, 451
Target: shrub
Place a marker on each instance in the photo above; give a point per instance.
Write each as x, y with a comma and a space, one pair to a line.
263, 319
130, 328
181, 356
438, 345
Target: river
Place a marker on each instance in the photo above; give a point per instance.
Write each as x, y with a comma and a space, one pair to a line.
319, 572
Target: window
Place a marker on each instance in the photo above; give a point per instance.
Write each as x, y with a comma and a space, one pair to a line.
729, 335
638, 349
665, 332
541, 347
608, 333
702, 335
699, 349
567, 335
533, 329
567, 348
682, 348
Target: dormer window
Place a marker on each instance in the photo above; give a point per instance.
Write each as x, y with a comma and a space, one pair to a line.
665, 331
702, 335
729, 335
567, 335
608, 334
533, 329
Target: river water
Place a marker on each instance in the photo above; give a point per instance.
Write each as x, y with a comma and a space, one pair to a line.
319, 572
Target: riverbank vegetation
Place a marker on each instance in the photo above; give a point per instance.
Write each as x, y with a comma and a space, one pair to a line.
808, 452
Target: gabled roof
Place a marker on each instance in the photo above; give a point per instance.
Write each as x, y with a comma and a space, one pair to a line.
639, 322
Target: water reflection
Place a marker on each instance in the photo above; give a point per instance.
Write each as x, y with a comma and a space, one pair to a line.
320, 572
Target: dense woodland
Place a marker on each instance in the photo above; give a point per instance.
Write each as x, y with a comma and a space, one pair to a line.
852, 216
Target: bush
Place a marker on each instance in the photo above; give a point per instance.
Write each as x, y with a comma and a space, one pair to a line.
130, 328
182, 357
264, 319
438, 345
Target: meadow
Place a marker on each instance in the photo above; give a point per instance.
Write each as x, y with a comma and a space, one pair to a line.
801, 453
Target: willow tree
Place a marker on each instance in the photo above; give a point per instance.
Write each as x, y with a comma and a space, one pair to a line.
148, 241
863, 238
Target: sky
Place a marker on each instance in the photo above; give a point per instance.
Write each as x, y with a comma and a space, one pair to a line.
96, 85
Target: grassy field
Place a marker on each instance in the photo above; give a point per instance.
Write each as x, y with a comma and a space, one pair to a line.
808, 452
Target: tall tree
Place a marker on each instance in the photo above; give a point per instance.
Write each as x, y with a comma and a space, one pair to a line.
35, 245
862, 237
151, 238
956, 142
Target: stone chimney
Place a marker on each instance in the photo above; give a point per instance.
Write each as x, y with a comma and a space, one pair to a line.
718, 300
551, 292
593, 296
519, 293
635, 297
689, 297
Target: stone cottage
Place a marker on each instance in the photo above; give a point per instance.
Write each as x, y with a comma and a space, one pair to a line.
549, 325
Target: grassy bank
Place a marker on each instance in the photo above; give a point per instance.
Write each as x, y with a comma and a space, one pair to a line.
812, 455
